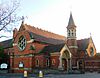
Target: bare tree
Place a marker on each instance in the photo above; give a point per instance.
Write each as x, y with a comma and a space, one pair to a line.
8, 15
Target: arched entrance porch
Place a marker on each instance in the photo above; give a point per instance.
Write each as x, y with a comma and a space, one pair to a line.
65, 60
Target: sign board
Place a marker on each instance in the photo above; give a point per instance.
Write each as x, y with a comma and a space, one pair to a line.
21, 64
3, 66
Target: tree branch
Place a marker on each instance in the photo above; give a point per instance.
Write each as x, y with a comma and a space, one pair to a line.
9, 14
5, 25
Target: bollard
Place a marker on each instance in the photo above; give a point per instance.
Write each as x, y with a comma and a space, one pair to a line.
25, 74
40, 74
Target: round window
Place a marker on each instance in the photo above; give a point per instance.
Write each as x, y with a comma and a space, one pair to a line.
22, 43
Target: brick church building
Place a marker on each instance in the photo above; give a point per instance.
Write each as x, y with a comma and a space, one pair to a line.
33, 48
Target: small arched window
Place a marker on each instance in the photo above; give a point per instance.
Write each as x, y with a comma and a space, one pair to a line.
53, 61
37, 63
91, 51
72, 33
47, 62
68, 32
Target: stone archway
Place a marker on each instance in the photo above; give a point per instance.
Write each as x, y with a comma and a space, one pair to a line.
65, 60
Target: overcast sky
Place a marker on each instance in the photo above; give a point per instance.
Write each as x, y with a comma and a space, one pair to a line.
53, 15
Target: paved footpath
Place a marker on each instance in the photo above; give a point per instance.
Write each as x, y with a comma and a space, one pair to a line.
86, 75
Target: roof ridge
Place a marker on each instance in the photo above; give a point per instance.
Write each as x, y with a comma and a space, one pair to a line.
44, 30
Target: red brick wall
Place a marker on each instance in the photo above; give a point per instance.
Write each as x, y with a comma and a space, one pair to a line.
27, 60
41, 61
56, 62
71, 42
73, 52
39, 46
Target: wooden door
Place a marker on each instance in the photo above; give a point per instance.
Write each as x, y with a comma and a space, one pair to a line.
64, 63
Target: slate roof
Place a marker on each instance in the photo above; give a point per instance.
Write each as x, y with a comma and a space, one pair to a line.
52, 48
6, 43
43, 33
83, 44
44, 39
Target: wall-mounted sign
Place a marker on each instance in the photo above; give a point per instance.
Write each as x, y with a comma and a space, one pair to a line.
3, 66
21, 64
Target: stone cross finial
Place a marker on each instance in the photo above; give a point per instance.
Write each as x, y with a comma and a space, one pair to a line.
90, 34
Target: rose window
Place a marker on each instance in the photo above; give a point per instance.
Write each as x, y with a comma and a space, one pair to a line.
22, 43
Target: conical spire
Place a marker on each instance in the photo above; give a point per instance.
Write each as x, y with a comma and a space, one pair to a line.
71, 21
